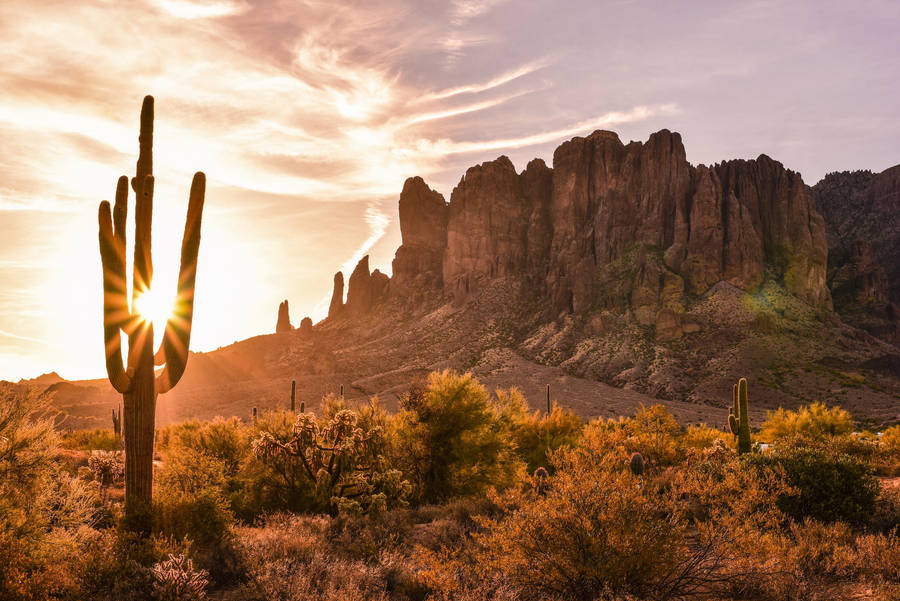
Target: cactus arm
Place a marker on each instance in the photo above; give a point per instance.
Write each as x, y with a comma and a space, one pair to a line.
115, 295
145, 141
177, 336
732, 423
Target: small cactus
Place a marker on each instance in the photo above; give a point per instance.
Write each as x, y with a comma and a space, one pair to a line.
294, 396
540, 480
117, 421
176, 579
637, 464
738, 416
254, 415
548, 400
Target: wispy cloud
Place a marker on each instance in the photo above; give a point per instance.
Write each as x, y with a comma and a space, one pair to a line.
494, 82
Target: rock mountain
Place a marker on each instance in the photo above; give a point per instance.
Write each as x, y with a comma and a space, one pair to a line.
621, 275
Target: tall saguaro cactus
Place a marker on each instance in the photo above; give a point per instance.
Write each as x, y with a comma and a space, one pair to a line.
138, 383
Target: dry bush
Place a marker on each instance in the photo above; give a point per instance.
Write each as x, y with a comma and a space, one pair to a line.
289, 560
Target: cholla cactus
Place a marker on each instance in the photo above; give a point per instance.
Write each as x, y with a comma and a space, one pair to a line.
340, 463
175, 579
108, 467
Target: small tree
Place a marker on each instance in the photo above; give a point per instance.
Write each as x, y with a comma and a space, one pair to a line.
456, 440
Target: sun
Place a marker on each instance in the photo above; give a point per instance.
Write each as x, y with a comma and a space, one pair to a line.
155, 307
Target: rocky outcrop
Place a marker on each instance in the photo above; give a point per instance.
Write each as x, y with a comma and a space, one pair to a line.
862, 216
632, 227
306, 327
365, 289
284, 320
637, 227
487, 230
423, 231
337, 296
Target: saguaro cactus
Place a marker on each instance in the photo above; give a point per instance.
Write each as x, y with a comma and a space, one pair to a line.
293, 395
738, 418
139, 384
117, 421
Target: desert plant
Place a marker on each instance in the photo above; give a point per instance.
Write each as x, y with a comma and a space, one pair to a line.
107, 467
455, 440
333, 463
826, 486
117, 421
139, 384
536, 435
636, 464
815, 421
294, 395
175, 579
738, 418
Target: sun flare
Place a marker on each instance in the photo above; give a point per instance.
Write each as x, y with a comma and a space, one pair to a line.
153, 306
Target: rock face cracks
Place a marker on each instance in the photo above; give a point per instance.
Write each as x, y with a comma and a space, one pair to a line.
632, 227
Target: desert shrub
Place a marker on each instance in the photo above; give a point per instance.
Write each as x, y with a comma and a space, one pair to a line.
333, 463
289, 560
44, 512
226, 440
813, 421
190, 501
100, 439
455, 440
596, 532
653, 432
703, 437
107, 468
116, 565
176, 579
828, 487
536, 435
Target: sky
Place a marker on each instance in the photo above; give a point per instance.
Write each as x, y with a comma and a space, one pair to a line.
307, 117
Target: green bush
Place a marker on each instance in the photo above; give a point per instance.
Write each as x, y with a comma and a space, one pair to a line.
536, 435
813, 421
455, 440
100, 439
190, 499
829, 487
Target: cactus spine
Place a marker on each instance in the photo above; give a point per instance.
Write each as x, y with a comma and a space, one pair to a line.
293, 395
138, 384
738, 417
117, 421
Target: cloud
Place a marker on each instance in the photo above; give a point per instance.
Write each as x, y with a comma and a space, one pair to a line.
492, 83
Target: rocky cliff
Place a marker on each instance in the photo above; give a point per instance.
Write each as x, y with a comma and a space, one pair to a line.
862, 214
631, 227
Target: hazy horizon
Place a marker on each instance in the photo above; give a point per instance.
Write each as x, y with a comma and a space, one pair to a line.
307, 117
